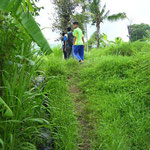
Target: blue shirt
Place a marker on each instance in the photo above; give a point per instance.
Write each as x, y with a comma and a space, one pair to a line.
65, 39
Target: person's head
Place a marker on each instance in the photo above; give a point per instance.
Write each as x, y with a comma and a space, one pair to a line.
63, 34
75, 25
69, 29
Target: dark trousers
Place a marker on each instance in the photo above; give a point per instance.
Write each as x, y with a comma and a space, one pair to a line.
69, 51
65, 54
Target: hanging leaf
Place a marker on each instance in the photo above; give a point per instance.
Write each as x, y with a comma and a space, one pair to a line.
31, 27
30, 6
4, 109
2, 143
24, 5
6, 5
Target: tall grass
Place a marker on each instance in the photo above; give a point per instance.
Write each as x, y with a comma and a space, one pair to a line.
62, 117
116, 82
28, 108
35, 108
20, 117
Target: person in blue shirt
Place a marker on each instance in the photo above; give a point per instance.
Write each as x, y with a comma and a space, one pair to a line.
68, 39
63, 45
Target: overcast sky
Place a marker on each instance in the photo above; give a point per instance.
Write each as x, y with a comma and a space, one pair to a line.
138, 11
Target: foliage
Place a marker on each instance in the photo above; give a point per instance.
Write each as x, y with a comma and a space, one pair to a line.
24, 17
92, 40
100, 14
20, 100
104, 42
147, 34
138, 31
36, 109
62, 117
30, 107
64, 11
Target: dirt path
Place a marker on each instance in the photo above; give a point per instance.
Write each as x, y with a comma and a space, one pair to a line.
80, 102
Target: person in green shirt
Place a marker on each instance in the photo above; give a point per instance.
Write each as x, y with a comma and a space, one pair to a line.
78, 42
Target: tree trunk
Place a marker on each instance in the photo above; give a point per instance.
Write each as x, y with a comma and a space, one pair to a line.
98, 34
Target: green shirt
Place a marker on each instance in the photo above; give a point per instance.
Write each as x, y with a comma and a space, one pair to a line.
78, 34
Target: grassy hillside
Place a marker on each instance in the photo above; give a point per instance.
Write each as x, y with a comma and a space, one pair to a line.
113, 100
116, 83
62, 117
103, 104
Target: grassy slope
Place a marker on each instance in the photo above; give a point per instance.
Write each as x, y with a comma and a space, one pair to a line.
62, 117
116, 82
43, 116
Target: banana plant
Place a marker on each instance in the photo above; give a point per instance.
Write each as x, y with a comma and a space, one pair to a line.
20, 10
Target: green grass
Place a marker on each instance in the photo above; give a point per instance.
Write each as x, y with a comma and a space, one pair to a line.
116, 83
26, 110
62, 117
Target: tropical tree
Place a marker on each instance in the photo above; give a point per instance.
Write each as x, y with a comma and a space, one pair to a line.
83, 16
100, 14
64, 9
66, 12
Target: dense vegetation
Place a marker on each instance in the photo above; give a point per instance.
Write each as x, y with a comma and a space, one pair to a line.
116, 83
37, 110
138, 31
49, 103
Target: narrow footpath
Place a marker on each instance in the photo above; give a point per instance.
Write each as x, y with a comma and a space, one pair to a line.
80, 111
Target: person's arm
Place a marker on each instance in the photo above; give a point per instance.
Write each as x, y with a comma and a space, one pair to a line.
83, 40
65, 45
65, 39
74, 40
75, 37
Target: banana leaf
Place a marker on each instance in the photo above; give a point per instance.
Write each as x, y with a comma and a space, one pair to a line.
31, 27
27, 22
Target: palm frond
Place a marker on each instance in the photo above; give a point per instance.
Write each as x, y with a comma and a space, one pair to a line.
94, 6
105, 16
103, 10
115, 17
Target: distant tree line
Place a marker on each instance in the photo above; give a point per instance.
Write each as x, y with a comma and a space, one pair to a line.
92, 11
138, 31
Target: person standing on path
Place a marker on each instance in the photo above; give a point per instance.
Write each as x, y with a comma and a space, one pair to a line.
63, 45
68, 38
78, 42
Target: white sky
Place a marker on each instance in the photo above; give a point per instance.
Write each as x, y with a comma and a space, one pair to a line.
138, 11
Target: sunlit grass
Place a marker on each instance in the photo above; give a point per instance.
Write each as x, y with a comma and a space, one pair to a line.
116, 82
